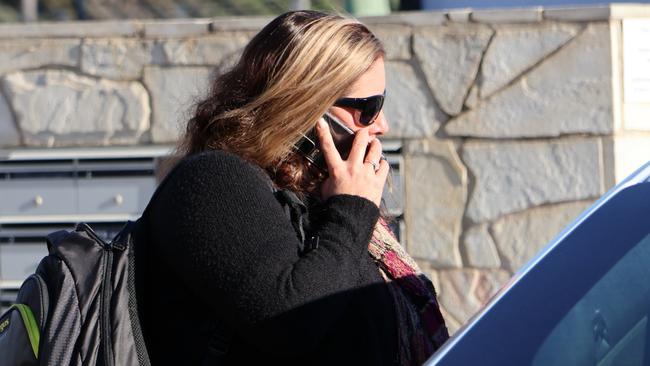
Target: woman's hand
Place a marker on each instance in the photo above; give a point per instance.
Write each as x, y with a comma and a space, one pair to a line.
356, 175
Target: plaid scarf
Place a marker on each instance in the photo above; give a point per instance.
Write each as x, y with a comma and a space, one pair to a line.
421, 328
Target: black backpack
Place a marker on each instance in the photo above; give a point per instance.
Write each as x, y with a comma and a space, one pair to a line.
79, 308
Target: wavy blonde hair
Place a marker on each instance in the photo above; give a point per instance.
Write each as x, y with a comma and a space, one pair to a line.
289, 74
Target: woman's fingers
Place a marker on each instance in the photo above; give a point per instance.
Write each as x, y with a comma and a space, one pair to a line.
353, 176
359, 146
374, 153
332, 156
383, 170
362, 174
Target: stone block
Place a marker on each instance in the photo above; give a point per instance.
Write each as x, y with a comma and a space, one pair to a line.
521, 15
480, 248
609, 162
176, 28
81, 29
173, 93
514, 176
520, 236
472, 99
489, 282
410, 110
452, 324
212, 50
116, 58
396, 40
568, 93
61, 108
577, 14
515, 49
454, 293
450, 58
9, 135
436, 194
32, 53
462, 292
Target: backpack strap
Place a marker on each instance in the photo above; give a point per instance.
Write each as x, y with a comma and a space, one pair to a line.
53, 238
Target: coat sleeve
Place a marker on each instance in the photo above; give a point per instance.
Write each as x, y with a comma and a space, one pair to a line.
221, 230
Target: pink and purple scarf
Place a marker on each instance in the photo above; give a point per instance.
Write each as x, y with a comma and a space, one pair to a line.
421, 328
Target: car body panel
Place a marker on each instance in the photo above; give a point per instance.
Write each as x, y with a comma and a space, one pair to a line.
519, 324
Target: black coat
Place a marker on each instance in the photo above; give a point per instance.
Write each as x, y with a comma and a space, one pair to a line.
219, 253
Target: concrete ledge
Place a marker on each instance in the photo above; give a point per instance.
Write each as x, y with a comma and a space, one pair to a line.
459, 15
523, 15
577, 14
71, 29
410, 18
176, 27
238, 23
196, 27
620, 11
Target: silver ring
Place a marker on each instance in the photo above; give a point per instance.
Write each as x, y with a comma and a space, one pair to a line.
375, 166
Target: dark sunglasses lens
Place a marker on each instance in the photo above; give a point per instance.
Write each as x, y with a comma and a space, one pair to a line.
371, 109
368, 108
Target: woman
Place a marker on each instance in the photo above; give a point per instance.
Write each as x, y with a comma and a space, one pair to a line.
252, 254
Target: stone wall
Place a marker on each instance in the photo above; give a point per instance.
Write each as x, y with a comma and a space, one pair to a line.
511, 122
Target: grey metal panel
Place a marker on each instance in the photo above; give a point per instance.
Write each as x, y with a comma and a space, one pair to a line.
127, 195
394, 188
37, 166
18, 261
393, 193
103, 152
26, 197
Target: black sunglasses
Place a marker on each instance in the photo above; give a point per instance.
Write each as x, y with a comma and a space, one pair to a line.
369, 107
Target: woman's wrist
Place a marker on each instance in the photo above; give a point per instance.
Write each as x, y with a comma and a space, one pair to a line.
356, 216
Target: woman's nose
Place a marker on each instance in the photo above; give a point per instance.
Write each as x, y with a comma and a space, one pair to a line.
380, 126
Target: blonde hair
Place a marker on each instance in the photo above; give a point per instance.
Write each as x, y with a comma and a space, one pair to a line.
290, 73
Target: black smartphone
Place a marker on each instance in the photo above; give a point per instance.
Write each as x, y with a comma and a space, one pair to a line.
309, 145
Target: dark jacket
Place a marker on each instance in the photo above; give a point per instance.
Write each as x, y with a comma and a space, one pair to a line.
219, 257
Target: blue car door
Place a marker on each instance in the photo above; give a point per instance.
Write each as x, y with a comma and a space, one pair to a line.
584, 300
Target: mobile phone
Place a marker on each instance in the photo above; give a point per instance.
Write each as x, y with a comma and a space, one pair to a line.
309, 145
